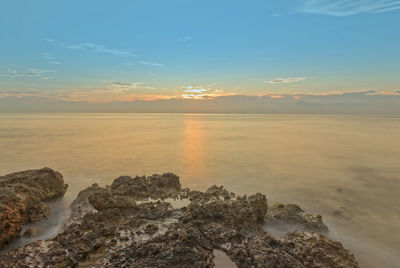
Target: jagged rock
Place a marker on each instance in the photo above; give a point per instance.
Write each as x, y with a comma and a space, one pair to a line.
259, 207
21, 199
281, 215
121, 227
217, 204
156, 186
81, 205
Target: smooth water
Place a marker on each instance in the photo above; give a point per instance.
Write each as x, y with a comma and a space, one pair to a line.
346, 168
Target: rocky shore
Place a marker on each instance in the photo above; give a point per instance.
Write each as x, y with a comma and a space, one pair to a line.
153, 222
22, 199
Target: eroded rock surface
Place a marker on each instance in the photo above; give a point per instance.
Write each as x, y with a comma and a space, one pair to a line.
22, 197
135, 223
281, 215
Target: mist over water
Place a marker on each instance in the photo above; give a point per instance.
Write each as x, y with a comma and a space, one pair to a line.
43, 229
346, 168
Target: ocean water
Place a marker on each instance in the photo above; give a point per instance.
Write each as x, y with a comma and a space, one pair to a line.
346, 168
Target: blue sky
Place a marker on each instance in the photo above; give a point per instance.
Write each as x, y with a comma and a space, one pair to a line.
106, 51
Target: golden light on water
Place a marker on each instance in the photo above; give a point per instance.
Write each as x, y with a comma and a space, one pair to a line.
193, 144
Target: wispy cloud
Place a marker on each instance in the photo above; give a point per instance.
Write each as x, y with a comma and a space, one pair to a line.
121, 84
127, 84
48, 40
287, 80
185, 39
343, 8
152, 63
92, 47
130, 63
50, 58
20, 71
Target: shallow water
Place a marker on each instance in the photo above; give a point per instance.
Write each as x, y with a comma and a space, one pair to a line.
346, 168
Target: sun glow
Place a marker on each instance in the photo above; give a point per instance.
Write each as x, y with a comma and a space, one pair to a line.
193, 144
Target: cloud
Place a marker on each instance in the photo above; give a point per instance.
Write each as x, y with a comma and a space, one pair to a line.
341, 8
114, 100
127, 84
48, 40
121, 84
202, 92
110, 94
20, 71
185, 39
151, 63
196, 90
91, 47
124, 87
286, 80
130, 63
50, 58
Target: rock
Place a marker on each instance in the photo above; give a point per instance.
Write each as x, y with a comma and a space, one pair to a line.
21, 199
43, 184
324, 251
30, 232
12, 215
156, 186
104, 199
81, 205
259, 207
291, 214
130, 225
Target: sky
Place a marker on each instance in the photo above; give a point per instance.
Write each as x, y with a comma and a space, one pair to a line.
190, 55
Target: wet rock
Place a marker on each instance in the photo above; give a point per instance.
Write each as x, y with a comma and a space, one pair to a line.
12, 215
81, 205
30, 232
216, 205
104, 199
155, 187
119, 226
291, 214
316, 250
21, 199
219, 192
259, 207
43, 184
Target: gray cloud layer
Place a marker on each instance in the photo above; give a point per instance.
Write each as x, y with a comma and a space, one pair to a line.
348, 103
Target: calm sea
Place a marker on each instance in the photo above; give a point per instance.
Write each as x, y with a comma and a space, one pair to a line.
346, 168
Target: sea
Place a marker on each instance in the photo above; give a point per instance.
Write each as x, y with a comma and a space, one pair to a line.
343, 167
